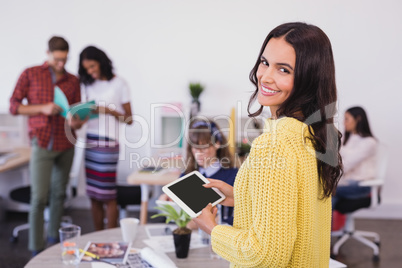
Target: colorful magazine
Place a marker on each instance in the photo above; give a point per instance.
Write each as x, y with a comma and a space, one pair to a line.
110, 252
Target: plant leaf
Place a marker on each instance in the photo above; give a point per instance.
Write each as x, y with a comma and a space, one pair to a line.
180, 218
160, 215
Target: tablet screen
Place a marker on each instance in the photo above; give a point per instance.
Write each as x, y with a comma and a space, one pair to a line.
193, 194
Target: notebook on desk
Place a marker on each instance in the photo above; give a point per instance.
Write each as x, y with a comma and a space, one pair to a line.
5, 156
107, 252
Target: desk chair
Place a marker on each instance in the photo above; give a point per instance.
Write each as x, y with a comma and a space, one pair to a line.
349, 206
127, 195
23, 195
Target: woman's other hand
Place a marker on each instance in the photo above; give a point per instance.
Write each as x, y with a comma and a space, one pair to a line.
206, 221
50, 108
102, 110
164, 197
225, 188
75, 122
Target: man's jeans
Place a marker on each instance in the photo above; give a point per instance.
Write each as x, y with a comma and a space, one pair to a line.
49, 174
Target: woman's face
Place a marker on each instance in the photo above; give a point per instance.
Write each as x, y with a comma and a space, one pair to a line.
93, 68
350, 123
275, 74
205, 155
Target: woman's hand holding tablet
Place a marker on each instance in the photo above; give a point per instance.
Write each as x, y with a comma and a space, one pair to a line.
189, 193
225, 188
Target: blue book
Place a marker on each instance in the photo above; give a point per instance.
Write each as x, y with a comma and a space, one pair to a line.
82, 109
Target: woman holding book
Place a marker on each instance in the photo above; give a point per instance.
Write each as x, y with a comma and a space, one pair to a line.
112, 97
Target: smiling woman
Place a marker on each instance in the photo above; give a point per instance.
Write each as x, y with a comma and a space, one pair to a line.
275, 74
281, 191
112, 98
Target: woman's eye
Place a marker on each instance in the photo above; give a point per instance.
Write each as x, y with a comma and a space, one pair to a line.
284, 70
264, 62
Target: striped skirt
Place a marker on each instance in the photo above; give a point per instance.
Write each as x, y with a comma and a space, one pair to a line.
101, 159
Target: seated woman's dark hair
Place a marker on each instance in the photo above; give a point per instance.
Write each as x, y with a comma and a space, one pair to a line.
94, 53
362, 124
313, 97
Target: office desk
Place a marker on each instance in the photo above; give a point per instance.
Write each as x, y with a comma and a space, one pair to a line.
147, 179
197, 258
14, 174
22, 158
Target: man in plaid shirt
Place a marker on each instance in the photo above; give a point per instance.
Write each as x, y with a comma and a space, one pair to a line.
52, 137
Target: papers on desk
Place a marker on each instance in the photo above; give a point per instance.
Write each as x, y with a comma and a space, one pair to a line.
157, 259
163, 241
5, 156
336, 264
142, 258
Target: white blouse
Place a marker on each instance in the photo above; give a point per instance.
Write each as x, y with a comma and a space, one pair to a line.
359, 158
113, 94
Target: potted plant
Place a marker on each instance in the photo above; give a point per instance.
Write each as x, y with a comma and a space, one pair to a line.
195, 91
243, 148
182, 234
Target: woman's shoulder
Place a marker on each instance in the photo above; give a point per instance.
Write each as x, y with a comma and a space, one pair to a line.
226, 174
284, 128
356, 138
117, 80
368, 141
227, 171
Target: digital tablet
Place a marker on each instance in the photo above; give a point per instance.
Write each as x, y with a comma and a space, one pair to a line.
190, 195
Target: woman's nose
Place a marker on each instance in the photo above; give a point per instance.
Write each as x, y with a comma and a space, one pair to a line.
267, 75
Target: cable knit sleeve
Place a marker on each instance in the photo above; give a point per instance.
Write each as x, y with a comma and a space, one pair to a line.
267, 190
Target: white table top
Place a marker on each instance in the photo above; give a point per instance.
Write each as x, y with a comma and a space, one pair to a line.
197, 258
161, 177
22, 157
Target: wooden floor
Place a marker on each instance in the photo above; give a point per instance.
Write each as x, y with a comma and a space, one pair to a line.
353, 254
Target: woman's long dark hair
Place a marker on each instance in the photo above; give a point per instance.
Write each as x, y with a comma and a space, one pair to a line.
204, 132
313, 97
94, 53
362, 124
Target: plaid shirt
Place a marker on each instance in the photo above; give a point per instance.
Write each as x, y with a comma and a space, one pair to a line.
35, 84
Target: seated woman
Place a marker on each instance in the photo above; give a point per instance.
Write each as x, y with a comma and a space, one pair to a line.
208, 152
358, 153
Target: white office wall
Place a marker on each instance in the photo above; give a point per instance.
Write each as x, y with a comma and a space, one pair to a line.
160, 46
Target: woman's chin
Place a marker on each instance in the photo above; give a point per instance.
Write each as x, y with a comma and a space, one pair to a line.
200, 164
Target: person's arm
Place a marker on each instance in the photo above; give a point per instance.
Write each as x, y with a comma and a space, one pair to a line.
21, 92
75, 121
125, 118
364, 149
48, 109
267, 212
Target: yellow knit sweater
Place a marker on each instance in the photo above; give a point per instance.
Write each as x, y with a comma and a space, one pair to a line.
279, 218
